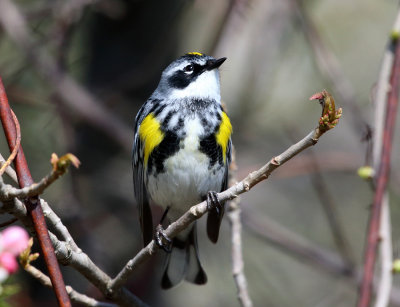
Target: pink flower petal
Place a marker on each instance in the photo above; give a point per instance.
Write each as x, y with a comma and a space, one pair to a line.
8, 261
14, 239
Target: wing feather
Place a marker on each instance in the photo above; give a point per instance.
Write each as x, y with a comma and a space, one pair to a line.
139, 187
214, 219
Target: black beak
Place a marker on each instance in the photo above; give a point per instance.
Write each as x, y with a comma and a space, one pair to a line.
212, 64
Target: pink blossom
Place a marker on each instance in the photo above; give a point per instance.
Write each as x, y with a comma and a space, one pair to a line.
14, 240
8, 262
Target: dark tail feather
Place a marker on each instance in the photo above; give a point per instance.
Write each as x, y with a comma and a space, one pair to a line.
194, 271
214, 220
183, 262
175, 263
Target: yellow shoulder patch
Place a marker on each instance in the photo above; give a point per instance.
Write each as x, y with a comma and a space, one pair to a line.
224, 133
150, 134
195, 53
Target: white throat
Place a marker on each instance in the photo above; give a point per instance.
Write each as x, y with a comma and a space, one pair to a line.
205, 86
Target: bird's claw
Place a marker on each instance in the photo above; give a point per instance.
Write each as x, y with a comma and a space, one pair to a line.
162, 240
213, 202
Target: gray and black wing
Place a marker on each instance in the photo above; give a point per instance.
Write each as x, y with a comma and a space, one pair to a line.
139, 187
214, 217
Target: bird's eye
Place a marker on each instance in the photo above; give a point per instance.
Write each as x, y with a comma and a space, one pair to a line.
188, 69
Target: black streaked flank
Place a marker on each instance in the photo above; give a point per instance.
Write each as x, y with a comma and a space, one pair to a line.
168, 118
179, 125
168, 147
205, 122
212, 149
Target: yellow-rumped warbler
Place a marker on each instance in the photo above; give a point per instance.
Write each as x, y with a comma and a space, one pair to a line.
181, 155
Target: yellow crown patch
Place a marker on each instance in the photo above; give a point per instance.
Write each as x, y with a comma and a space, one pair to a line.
195, 53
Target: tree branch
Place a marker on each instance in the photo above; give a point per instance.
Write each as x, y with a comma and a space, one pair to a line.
67, 251
35, 210
380, 101
73, 294
382, 177
9, 192
237, 254
68, 255
16, 147
234, 215
47, 211
59, 226
9, 170
329, 66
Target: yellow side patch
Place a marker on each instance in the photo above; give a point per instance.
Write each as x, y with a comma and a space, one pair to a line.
224, 133
150, 134
195, 53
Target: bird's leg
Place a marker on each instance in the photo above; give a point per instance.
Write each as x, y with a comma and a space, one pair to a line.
213, 202
162, 240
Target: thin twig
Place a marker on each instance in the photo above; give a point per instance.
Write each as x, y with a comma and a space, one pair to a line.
386, 250
384, 286
382, 90
329, 66
48, 213
35, 211
73, 294
237, 254
59, 226
78, 260
234, 215
381, 180
9, 170
68, 252
17, 144
9, 192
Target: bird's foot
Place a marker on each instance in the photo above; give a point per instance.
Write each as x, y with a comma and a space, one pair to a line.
213, 202
162, 240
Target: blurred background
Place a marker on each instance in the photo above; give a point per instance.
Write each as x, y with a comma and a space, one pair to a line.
79, 75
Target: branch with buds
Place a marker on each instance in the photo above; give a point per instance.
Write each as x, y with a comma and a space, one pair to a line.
69, 253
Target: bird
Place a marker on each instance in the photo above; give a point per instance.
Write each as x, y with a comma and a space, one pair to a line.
182, 150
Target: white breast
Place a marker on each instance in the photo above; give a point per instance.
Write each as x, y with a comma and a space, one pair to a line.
187, 177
